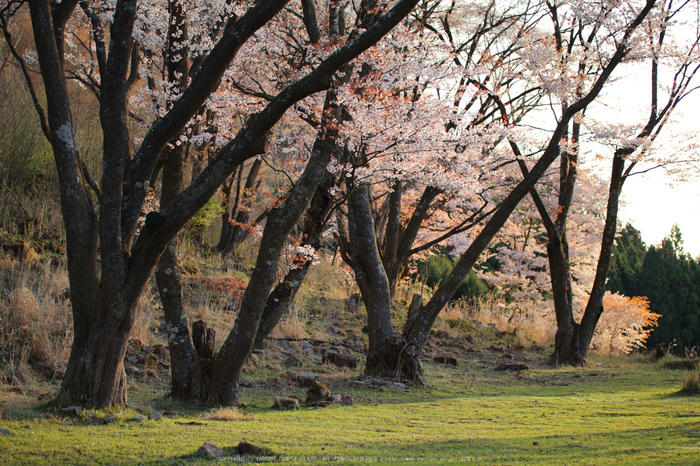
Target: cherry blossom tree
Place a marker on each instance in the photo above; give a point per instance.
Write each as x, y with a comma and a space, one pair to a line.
395, 352
579, 90
104, 291
577, 286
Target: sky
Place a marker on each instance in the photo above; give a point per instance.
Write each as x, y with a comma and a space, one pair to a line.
654, 201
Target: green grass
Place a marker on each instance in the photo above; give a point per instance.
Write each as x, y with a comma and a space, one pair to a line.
625, 411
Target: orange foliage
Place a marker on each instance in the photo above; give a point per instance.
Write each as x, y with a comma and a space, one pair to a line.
625, 324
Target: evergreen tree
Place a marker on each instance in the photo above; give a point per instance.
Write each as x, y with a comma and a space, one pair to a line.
628, 256
671, 280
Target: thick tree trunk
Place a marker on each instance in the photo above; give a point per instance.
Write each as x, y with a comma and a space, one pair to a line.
98, 377
371, 279
566, 342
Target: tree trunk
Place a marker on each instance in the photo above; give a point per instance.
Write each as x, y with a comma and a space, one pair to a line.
594, 307
566, 342
232, 235
98, 377
280, 221
371, 279
283, 295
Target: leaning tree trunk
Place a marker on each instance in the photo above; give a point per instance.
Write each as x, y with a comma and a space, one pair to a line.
594, 307
282, 296
280, 221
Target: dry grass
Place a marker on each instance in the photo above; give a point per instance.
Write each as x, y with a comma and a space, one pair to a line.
528, 326
291, 327
691, 384
36, 318
225, 414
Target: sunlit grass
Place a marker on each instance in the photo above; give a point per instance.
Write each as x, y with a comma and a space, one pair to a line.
618, 412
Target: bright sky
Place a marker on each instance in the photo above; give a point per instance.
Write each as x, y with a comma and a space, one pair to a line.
653, 202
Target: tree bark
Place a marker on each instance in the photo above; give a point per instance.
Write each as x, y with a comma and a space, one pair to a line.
371, 279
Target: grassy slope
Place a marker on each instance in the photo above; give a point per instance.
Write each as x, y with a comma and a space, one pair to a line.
619, 413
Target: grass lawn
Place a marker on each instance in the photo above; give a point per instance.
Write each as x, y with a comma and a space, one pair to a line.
614, 411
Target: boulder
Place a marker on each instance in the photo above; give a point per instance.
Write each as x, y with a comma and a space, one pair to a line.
318, 393
245, 448
283, 402
209, 450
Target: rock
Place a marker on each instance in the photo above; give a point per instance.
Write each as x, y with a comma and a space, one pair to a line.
132, 370
243, 382
154, 416
340, 360
347, 400
72, 410
138, 418
306, 380
511, 367
283, 402
245, 448
292, 361
109, 418
92, 417
308, 352
441, 334
318, 392
209, 450
5, 432
445, 359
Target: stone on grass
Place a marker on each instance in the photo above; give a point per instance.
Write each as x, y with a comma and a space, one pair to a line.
109, 418
283, 402
318, 392
292, 361
72, 410
209, 450
446, 359
138, 418
245, 448
154, 416
243, 382
5, 432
